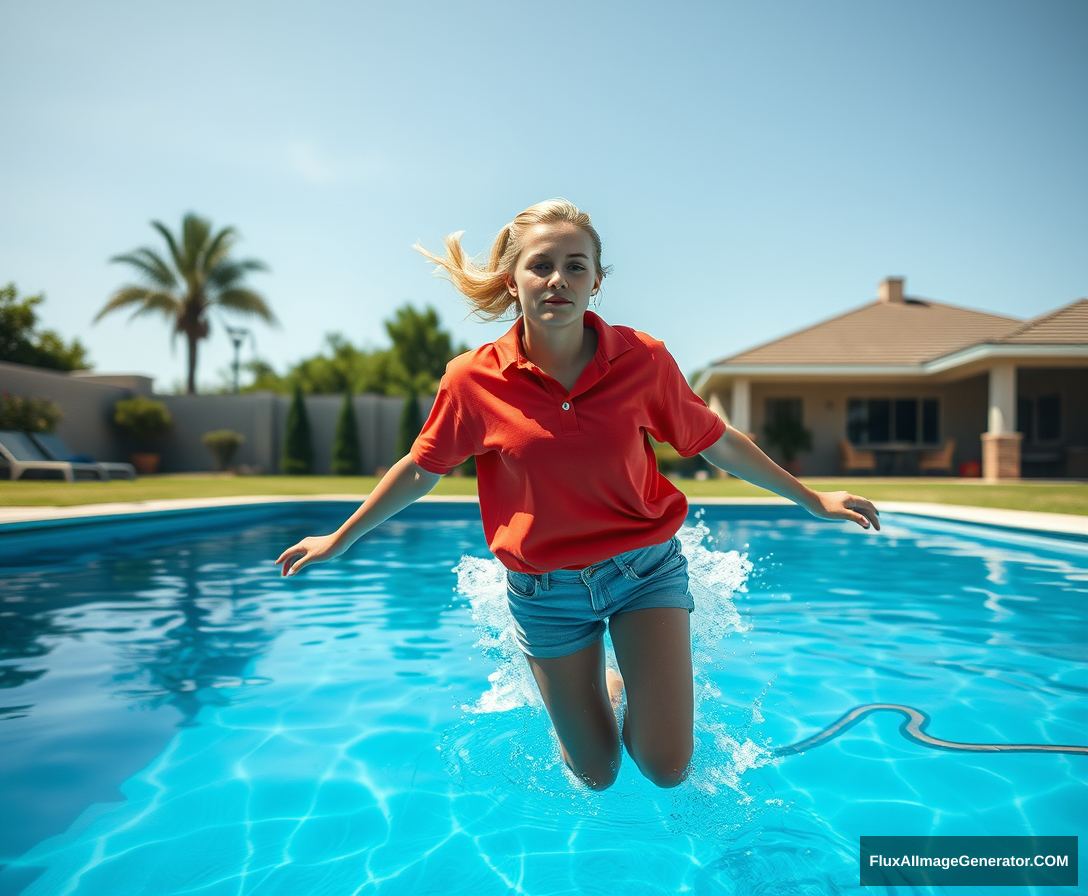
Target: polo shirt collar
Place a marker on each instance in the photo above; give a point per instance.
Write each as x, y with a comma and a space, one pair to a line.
610, 343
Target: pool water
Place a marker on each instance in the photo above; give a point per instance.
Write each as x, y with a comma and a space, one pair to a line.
177, 719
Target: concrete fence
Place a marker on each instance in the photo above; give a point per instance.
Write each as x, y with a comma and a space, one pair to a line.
87, 402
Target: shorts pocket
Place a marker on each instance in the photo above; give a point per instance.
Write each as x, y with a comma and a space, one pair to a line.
654, 561
522, 584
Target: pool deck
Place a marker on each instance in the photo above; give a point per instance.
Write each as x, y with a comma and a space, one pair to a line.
16, 518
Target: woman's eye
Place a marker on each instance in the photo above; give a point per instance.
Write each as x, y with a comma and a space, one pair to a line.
577, 268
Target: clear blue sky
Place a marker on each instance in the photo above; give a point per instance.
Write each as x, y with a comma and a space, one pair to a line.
752, 167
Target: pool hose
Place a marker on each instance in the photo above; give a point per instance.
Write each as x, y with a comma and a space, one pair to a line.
913, 729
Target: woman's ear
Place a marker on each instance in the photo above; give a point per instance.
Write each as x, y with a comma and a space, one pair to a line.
511, 286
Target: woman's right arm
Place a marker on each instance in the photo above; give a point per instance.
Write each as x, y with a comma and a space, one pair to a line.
405, 482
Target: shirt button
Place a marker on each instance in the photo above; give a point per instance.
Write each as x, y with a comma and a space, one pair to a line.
566, 405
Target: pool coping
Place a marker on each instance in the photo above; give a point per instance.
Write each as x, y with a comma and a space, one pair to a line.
15, 518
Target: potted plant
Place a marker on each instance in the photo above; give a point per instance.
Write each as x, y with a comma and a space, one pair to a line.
788, 434
146, 420
223, 443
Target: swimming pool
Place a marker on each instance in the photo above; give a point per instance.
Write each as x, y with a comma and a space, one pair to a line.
177, 719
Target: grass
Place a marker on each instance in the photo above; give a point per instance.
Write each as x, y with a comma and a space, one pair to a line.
1053, 497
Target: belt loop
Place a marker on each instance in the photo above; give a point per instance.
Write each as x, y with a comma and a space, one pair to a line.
545, 582
622, 566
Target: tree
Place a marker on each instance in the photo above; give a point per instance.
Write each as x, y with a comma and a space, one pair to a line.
199, 275
416, 361
346, 457
298, 446
411, 424
22, 343
421, 346
786, 431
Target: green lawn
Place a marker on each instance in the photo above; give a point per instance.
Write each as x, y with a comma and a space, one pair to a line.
1069, 497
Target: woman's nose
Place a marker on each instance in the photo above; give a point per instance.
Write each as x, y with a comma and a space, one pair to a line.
557, 280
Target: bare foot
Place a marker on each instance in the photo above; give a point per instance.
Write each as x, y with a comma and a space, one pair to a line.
615, 688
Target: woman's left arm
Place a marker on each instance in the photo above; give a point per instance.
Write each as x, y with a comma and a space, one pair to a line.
735, 453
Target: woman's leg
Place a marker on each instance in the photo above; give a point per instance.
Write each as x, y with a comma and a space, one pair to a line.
653, 649
575, 693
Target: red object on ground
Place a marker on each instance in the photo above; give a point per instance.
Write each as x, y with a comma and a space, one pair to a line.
970, 469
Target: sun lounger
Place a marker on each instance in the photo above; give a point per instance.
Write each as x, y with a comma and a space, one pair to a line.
22, 455
54, 448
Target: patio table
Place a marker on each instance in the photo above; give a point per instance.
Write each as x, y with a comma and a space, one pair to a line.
895, 458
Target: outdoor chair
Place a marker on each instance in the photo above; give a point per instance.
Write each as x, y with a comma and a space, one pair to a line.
854, 461
22, 455
939, 460
54, 448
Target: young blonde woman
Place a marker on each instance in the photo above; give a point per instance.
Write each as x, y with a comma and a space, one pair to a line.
557, 413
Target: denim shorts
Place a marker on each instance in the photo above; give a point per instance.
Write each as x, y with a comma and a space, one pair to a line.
559, 613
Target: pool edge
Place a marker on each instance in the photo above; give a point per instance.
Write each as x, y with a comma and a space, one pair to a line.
15, 518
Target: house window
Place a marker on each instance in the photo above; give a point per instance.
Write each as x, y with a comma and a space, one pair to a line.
1025, 417
930, 415
1039, 419
906, 420
875, 421
1049, 418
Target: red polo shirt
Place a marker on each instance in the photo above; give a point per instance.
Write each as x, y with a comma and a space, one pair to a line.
567, 479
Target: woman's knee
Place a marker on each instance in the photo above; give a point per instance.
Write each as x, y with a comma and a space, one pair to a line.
667, 767
598, 775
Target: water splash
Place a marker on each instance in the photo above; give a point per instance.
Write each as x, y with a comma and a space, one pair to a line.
724, 752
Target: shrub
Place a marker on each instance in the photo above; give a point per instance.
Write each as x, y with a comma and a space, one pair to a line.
671, 463
347, 459
223, 443
298, 446
143, 418
29, 414
788, 433
411, 424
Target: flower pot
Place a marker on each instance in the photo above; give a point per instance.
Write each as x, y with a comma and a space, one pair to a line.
145, 462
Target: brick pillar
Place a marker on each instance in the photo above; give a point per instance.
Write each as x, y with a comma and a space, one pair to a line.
1001, 455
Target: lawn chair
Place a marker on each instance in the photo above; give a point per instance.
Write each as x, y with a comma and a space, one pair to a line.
22, 455
854, 461
54, 448
937, 461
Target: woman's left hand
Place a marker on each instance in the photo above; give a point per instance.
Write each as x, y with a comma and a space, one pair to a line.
845, 506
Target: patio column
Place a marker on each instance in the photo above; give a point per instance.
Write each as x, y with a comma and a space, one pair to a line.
1001, 443
714, 402
741, 418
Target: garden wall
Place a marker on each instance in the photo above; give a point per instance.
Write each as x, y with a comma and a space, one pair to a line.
87, 404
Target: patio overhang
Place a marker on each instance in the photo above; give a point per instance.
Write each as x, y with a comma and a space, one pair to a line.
957, 365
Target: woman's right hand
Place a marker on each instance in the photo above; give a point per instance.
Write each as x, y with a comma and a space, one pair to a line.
315, 549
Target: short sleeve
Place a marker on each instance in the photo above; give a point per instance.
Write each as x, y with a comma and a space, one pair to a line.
682, 418
445, 441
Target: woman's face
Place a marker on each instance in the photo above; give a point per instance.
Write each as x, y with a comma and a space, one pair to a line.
554, 276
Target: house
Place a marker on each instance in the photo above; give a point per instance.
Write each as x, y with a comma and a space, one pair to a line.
902, 376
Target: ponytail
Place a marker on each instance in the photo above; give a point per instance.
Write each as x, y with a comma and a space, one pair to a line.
485, 288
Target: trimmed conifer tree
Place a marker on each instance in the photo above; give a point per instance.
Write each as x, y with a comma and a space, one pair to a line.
347, 459
298, 446
411, 424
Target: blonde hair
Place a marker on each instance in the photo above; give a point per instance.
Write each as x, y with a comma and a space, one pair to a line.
485, 287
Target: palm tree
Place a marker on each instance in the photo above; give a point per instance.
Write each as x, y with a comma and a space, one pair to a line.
200, 275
